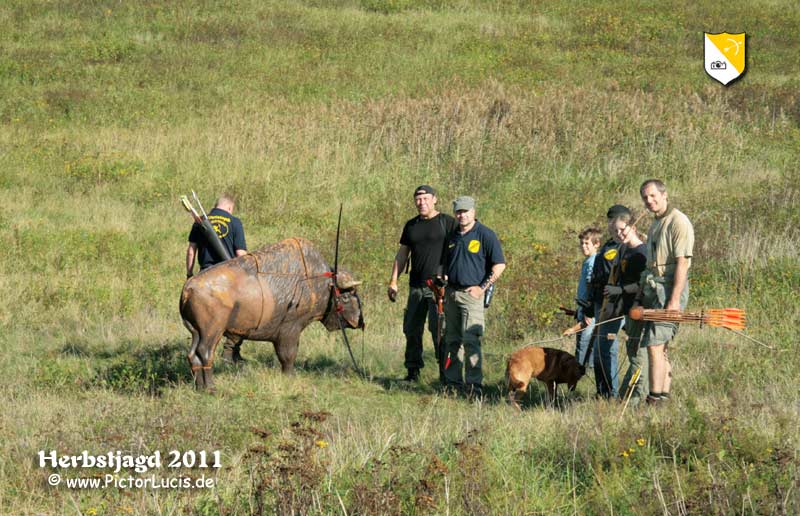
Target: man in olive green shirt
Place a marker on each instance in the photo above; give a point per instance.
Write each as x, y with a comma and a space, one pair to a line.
665, 282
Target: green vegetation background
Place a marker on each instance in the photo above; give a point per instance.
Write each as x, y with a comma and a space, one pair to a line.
547, 112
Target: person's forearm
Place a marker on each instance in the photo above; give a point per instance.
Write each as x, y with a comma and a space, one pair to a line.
497, 270
190, 255
395, 273
681, 277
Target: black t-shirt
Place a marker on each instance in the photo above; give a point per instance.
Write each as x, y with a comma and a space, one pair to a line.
471, 256
230, 232
425, 238
633, 262
602, 269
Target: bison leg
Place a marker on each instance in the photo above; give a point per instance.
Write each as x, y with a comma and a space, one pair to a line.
194, 360
201, 358
286, 348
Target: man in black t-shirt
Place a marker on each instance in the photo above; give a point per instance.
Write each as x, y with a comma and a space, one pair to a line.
231, 234
228, 228
422, 239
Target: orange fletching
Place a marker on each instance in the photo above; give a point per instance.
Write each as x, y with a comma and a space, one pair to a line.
731, 318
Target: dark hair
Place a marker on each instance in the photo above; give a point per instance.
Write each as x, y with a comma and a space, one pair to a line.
659, 184
590, 232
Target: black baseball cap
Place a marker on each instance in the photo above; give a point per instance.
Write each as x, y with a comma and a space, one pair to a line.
424, 189
617, 210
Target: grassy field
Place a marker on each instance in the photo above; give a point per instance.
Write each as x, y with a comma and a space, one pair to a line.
547, 112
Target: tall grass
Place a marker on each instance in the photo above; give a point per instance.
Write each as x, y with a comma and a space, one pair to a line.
546, 113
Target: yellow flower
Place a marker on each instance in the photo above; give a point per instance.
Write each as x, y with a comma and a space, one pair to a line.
640, 441
624, 453
321, 443
92, 512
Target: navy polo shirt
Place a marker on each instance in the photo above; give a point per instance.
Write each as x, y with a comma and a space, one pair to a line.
471, 256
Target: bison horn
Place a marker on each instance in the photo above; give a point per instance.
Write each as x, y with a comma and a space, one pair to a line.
347, 283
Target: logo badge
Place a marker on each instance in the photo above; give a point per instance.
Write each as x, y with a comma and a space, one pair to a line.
610, 254
474, 246
220, 225
724, 56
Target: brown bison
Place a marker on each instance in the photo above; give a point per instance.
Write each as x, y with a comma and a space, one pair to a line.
270, 294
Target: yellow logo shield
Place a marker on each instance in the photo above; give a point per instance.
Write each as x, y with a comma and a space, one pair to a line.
724, 56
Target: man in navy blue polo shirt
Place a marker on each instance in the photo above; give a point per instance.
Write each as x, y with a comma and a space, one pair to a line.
474, 261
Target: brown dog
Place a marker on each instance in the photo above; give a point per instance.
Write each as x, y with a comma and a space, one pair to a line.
548, 365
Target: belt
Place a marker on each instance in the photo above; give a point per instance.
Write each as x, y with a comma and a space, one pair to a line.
459, 287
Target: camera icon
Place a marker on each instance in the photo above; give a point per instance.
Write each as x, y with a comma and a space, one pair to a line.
718, 65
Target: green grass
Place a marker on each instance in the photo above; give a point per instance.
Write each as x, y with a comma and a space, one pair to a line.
547, 113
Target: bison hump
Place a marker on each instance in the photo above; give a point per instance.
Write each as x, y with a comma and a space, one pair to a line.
290, 257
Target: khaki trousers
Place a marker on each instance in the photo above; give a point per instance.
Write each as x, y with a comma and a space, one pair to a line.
464, 316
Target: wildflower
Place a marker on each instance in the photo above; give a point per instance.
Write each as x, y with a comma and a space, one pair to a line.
321, 443
92, 511
624, 453
640, 441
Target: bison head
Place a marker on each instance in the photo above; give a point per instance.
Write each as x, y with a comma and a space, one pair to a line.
347, 304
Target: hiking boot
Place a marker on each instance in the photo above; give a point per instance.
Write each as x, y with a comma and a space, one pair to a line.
654, 401
412, 376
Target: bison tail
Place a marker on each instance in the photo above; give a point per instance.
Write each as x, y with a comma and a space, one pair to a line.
186, 297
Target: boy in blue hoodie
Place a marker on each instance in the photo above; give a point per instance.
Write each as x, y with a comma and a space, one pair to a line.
589, 240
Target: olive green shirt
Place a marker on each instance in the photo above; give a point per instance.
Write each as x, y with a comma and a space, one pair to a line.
669, 237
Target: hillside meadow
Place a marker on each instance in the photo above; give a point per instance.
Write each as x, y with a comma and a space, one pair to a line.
547, 112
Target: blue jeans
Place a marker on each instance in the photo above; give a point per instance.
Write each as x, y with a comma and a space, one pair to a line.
605, 359
582, 341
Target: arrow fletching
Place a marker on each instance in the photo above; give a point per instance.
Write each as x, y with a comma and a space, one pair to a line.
188, 207
199, 204
730, 318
